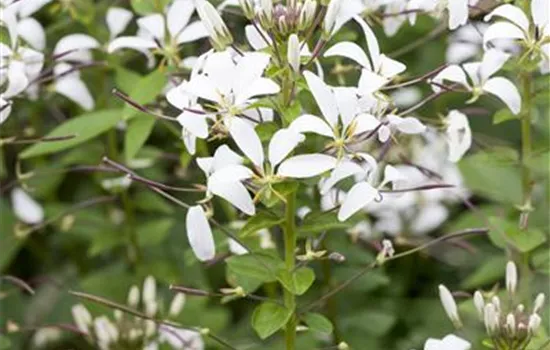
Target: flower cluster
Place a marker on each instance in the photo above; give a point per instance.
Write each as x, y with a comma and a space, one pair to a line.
125, 330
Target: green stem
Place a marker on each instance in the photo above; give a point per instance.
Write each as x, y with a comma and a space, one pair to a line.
289, 230
331, 307
526, 145
134, 253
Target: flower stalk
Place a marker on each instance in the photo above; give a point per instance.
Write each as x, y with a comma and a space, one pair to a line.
289, 231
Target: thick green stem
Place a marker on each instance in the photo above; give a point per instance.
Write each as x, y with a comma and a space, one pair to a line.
289, 231
526, 145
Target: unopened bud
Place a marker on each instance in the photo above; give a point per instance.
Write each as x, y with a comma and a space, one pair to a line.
133, 297
520, 308
449, 304
511, 277
118, 315
214, 25
496, 301
330, 17
150, 328
247, 6
539, 303
149, 290
343, 346
151, 308
534, 323
387, 251
337, 257
177, 304
511, 324
293, 54
491, 319
82, 318
479, 303
307, 14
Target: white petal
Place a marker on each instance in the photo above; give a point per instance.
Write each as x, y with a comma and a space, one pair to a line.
452, 342
370, 82
153, 25
349, 50
5, 110
459, 135
179, 97
342, 171
25, 208
230, 173
513, 14
28, 7
74, 89
282, 143
372, 42
9, 21
247, 140
224, 157
194, 123
192, 32
190, 141
74, 42
407, 125
235, 193
17, 79
451, 73
258, 87
358, 197
117, 19
199, 234
306, 165
505, 90
348, 104
493, 60
310, 123
502, 30
130, 42
178, 16
365, 122
255, 39
393, 176
384, 134
32, 32
390, 68
458, 13
540, 10
249, 68
203, 87
34, 61
430, 217
324, 97
348, 10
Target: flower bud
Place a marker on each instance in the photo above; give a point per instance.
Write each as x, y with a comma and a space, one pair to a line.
151, 308
449, 305
330, 17
214, 25
82, 317
133, 297
534, 323
247, 6
177, 304
265, 14
149, 290
150, 328
479, 303
496, 302
307, 14
105, 330
293, 52
511, 277
520, 308
511, 324
490, 319
539, 303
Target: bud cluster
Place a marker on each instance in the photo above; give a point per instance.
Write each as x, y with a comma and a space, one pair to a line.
134, 332
509, 325
278, 19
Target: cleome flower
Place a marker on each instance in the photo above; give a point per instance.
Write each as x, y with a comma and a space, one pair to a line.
476, 78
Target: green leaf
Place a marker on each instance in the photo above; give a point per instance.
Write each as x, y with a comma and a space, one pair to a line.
145, 7
259, 266
145, 91
298, 282
266, 130
126, 79
105, 241
503, 115
268, 318
260, 221
83, 128
292, 112
8, 241
319, 222
504, 233
283, 189
155, 231
318, 323
137, 134
489, 272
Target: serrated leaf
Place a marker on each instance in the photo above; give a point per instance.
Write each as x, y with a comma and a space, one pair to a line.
504, 233
268, 318
298, 282
318, 323
83, 128
260, 221
137, 134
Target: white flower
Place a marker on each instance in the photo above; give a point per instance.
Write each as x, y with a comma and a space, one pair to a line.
450, 342
383, 67
164, 32
214, 25
81, 317
20, 66
339, 12
459, 135
199, 234
480, 74
25, 208
457, 10
75, 47
16, 18
68, 83
449, 304
117, 19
